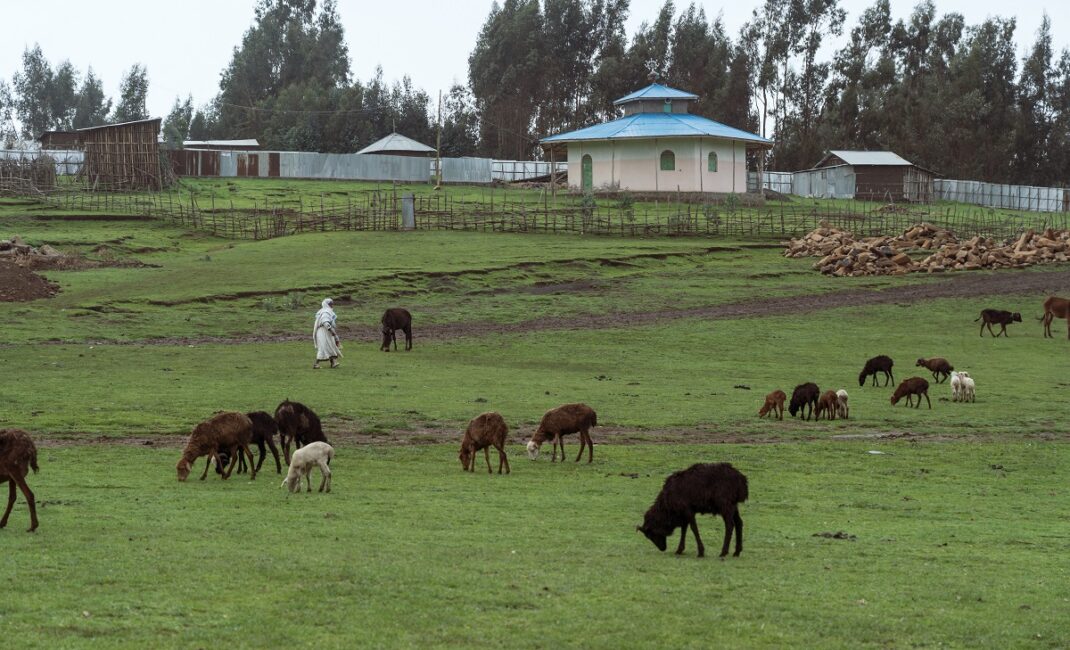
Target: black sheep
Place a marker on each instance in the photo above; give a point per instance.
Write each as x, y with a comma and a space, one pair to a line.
299, 424
704, 488
804, 395
264, 430
880, 363
395, 319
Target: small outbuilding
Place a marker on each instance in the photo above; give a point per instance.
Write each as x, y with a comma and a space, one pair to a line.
657, 146
396, 144
123, 156
59, 140
867, 176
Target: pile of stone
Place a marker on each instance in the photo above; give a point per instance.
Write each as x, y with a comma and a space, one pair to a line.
18, 251
843, 255
1029, 249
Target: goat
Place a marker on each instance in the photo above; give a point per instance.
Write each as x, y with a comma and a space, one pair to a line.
226, 431
827, 404
483, 432
880, 363
909, 388
841, 404
1055, 308
999, 317
804, 395
299, 424
304, 459
18, 455
774, 402
557, 422
703, 488
939, 366
395, 319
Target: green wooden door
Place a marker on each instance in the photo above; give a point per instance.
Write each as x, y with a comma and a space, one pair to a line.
587, 167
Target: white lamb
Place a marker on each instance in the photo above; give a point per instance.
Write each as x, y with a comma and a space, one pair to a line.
841, 404
967, 392
302, 462
958, 378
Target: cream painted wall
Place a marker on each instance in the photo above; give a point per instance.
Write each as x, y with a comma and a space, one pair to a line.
635, 165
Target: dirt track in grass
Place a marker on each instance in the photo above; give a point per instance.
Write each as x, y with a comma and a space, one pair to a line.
964, 285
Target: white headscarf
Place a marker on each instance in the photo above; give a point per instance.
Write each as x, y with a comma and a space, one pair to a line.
324, 315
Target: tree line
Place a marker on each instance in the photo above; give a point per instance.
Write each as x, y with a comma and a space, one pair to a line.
947, 95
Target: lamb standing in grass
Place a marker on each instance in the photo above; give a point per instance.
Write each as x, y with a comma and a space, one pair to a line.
841, 404
302, 462
968, 387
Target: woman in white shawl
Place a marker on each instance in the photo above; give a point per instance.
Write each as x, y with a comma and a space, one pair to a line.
325, 336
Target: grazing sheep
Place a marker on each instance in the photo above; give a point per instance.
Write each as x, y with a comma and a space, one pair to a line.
299, 424
704, 488
395, 319
827, 404
999, 317
228, 431
557, 422
18, 455
967, 394
841, 404
774, 402
483, 432
880, 363
264, 430
909, 388
804, 395
956, 386
304, 459
1055, 308
939, 366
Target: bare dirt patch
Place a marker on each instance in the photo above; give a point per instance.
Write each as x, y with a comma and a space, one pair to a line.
18, 284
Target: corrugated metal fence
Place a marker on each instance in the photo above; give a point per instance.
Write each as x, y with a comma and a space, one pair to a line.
828, 183
776, 181
68, 162
997, 195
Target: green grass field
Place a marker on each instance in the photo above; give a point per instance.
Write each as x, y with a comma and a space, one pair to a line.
674, 342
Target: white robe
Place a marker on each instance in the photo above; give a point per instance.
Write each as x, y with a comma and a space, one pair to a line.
323, 335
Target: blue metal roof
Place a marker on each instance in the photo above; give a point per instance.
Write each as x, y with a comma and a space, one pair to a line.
657, 125
655, 91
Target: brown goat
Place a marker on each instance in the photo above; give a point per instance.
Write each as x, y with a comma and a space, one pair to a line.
827, 404
774, 402
227, 431
18, 455
569, 418
484, 431
1056, 308
938, 365
999, 317
713, 488
395, 319
908, 388
297, 424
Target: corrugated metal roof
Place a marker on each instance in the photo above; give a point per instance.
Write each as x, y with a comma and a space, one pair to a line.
888, 158
655, 91
112, 126
397, 142
657, 125
221, 143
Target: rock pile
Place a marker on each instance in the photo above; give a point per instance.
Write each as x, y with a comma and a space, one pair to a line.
18, 251
843, 255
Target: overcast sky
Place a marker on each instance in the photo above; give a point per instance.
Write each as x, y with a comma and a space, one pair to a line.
185, 44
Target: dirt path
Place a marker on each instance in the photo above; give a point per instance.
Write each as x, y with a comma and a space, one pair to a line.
965, 285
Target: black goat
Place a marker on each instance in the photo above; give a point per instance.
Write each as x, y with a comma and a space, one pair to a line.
804, 395
880, 363
704, 488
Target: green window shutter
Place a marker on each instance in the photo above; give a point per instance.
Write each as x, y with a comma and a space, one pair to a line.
667, 106
713, 161
668, 161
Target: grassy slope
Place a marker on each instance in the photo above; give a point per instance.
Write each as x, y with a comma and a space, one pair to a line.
409, 551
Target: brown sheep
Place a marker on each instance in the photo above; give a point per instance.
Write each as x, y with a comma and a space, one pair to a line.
570, 418
227, 431
909, 388
939, 366
297, 424
483, 432
713, 488
264, 430
18, 455
774, 402
999, 317
395, 319
827, 404
1056, 308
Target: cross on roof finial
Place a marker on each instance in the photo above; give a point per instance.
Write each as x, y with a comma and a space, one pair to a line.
652, 70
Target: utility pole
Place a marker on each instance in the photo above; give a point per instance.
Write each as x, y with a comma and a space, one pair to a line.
438, 146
